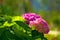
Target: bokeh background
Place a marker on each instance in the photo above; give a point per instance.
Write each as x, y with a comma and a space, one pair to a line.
48, 9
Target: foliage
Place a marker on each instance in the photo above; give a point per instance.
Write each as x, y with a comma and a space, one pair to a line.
14, 28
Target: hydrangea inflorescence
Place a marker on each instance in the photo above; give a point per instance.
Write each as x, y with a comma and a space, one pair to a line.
35, 20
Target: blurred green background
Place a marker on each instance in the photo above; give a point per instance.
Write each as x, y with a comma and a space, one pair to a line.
48, 9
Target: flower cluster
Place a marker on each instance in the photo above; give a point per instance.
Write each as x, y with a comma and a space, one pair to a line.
35, 20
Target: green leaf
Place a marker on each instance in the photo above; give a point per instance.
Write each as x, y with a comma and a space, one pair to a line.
33, 28
8, 18
22, 24
7, 35
2, 20
21, 32
1, 30
36, 34
18, 18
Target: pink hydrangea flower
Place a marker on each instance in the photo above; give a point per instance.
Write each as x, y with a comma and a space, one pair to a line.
31, 16
35, 20
40, 25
